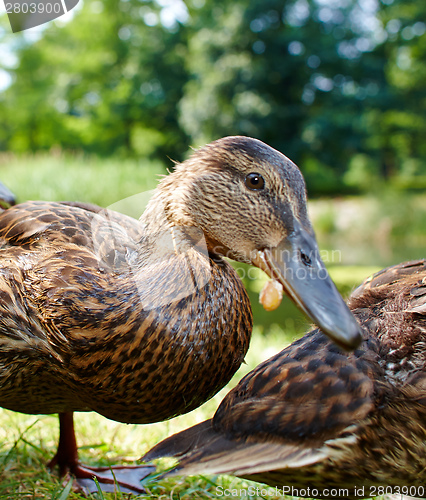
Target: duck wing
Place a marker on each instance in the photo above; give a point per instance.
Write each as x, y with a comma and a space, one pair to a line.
58, 262
202, 450
57, 266
389, 278
38, 229
295, 409
112, 220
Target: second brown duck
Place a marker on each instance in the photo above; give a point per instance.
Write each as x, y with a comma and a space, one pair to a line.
317, 422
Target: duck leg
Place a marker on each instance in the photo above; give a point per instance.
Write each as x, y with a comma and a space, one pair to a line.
66, 458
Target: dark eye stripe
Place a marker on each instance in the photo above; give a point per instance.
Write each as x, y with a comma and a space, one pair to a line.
255, 181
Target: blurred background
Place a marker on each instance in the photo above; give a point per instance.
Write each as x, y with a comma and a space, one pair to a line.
95, 105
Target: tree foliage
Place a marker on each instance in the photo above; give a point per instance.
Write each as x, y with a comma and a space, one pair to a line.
338, 86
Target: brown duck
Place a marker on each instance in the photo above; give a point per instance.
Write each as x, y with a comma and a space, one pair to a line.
313, 419
143, 321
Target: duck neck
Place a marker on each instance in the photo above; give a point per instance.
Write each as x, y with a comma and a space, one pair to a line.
167, 229
168, 211
155, 217
169, 205
172, 256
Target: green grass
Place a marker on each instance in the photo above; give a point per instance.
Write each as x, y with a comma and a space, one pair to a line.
27, 442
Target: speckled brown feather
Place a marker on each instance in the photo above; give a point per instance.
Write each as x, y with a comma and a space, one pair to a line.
78, 341
95, 314
314, 416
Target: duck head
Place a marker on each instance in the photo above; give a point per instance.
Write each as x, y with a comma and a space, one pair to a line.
250, 202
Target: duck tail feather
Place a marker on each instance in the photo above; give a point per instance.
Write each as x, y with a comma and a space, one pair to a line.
222, 456
201, 450
180, 443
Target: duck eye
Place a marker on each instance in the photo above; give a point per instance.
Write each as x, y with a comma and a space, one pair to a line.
255, 181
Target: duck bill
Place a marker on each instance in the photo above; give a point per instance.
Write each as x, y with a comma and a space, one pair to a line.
296, 264
6, 195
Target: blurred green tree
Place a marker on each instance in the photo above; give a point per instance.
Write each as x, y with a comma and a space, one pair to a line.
298, 77
397, 123
107, 82
336, 85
